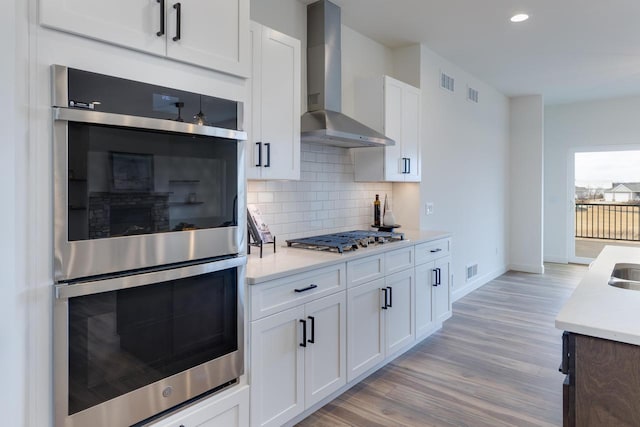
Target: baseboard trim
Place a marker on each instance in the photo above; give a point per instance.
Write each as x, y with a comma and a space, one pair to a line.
556, 259
456, 294
524, 268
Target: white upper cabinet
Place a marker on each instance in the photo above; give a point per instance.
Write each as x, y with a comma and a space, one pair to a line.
393, 108
209, 33
273, 150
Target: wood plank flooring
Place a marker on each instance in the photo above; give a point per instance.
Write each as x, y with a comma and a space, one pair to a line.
494, 363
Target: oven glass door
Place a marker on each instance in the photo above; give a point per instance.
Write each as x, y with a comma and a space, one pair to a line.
126, 181
122, 340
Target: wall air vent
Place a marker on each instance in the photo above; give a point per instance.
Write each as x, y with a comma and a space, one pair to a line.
472, 94
472, 271
447, 82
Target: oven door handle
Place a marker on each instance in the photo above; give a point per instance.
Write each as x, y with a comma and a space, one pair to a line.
66, 291
112, 119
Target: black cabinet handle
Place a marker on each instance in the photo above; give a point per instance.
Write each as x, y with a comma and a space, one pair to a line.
308, 288
259, 144
268, 145
161, 32
313, 330
439, 276
304, 333
384, 290
390, 296
408, 164
178, 8
434, 277
435, 250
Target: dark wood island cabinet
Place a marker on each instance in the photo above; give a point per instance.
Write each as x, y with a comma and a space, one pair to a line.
602, 384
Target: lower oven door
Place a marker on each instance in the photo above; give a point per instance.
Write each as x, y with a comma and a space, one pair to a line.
127, 348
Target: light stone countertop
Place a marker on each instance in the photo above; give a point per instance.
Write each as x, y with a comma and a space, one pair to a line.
287, 261
599, 310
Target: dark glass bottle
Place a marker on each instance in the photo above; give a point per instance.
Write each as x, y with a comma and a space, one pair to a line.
376, 211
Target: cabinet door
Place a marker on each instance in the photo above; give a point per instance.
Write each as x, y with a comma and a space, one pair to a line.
277, 368
254, 117
400, 316
274, 138
393, 163
442, 292
424, 284
213, 34
326, 356
411, 132
365, 328
131, 23
228, 410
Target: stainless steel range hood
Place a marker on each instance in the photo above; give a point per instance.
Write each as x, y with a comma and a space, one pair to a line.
324, 123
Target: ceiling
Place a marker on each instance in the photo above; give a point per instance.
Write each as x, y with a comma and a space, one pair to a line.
568, 51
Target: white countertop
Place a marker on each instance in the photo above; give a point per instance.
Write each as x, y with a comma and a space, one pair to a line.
287, 261
597, 309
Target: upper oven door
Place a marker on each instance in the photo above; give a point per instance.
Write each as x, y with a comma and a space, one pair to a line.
143, 175
129, 197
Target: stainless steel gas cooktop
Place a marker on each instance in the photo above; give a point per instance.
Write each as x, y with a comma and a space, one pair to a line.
346, 240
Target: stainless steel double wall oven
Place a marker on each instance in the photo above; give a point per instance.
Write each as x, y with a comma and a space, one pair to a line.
149, 208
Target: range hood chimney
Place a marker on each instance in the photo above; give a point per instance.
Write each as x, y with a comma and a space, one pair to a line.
324, 123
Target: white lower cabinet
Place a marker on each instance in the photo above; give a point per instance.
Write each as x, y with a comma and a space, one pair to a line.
310, 336
433, 287
442, 291
380, 321
298, 357
229, 409
400, 315
365, 328
424, 314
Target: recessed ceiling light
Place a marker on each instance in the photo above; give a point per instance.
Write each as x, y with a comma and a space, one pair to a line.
520, 17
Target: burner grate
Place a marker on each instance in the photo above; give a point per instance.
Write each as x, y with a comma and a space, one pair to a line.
345, 241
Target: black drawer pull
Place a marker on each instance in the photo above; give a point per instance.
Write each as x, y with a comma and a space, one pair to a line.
433, 251
308, 288
390, 296
385, 291
434, 277
268, 145
304, 333
259, 144
312, 340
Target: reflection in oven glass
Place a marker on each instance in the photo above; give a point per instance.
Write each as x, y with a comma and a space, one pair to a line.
125, 182
123, 340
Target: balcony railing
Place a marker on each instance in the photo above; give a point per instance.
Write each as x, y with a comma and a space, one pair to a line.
606, 221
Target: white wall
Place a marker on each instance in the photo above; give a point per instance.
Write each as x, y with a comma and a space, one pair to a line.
465, 171
587, 126
526, 156
14, 67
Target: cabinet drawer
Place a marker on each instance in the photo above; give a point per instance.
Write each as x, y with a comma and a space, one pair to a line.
398, 260
277, 295
365, 270
429, 251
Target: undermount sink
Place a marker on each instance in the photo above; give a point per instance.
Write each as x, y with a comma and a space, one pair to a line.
626, 276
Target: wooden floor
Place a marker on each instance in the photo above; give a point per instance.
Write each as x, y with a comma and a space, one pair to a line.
494, 363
